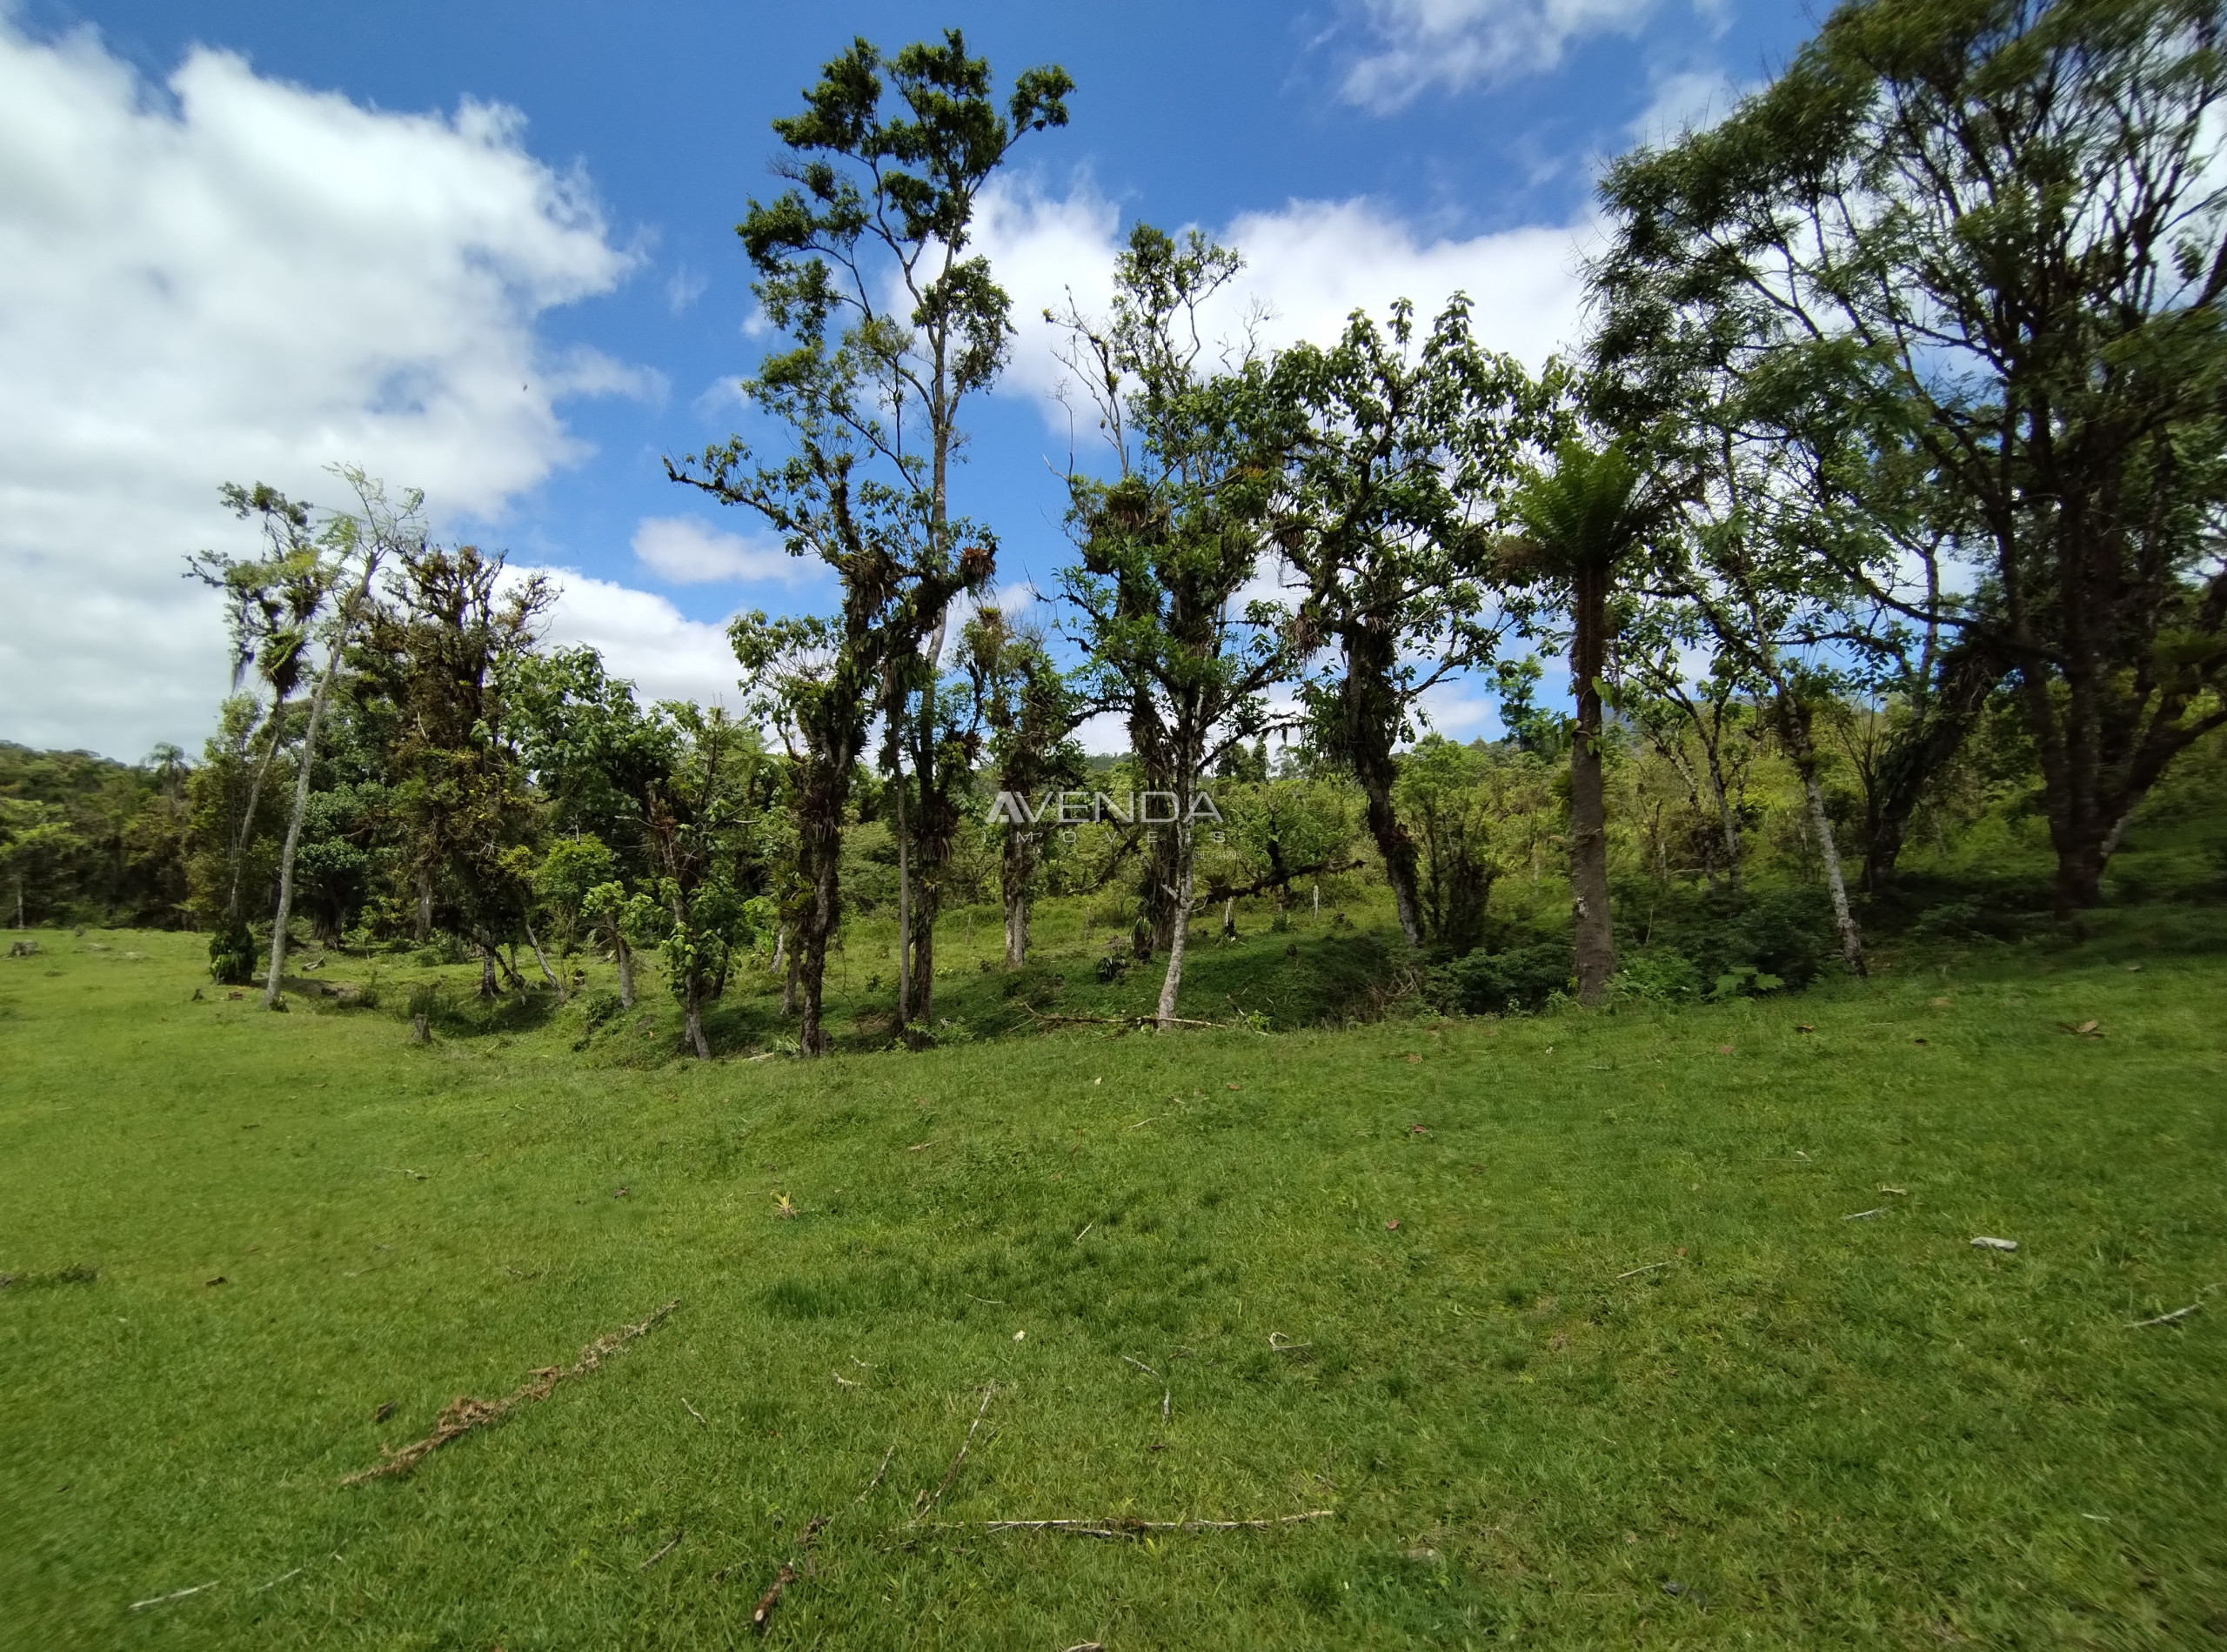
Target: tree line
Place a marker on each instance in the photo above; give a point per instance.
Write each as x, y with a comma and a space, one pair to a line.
1900, 406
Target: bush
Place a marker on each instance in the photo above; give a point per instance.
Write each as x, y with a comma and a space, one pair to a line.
1788, 933
232, 955
600, 1006
1659, 974
1492, 983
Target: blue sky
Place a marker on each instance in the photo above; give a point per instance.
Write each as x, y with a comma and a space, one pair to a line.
1354, 151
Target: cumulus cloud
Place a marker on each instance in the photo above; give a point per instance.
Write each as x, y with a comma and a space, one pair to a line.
644, 639
1450, 45
1308, 265
686, 552
232, 278
1692, 100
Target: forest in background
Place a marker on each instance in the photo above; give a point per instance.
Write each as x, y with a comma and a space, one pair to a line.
1878, 518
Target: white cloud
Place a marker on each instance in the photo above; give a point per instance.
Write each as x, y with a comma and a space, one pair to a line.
1450, 45
686, 552
684, 288
1691, 101
245, 280
644, 640
1309, 263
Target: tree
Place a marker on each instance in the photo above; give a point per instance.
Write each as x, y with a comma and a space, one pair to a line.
1169, 544
364, 541
1667, 705
1403, 456
865, 265
1984, 246
444, 653
272, 604
697, 819
37, 843
1032, 714
1579, 521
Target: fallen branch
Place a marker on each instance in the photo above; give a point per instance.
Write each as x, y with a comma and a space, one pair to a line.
463, 1413
692, 1411
1129, 1020
762, 1614
165, 1600
2165, 1319
1865, 1215
662, 1552
1166, 1399
1124, 1526
1629, 1272
952, 1473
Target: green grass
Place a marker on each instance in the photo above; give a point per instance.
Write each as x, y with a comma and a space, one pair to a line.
1823, 1431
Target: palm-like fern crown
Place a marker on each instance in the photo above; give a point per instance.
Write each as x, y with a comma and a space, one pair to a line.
1585, 512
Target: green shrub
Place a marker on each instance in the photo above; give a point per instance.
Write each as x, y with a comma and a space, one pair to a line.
1482, 983
232, 955
1661, 974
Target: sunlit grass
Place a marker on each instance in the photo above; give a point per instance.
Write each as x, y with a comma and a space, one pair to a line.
1790, 1429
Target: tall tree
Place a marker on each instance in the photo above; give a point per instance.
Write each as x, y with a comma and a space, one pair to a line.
445, 652
1403, 456
1581, 521
272, 604
866, 264
1169, 544
358, 543
1986, 241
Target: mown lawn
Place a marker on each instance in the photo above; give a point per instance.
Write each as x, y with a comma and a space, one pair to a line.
1393, 1273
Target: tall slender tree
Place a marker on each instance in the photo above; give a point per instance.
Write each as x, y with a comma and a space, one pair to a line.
866, 263
359, 541
1583, 521
1169, 544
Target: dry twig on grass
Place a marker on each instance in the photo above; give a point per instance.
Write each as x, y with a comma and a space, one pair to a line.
952, 1473
165, 1600
1124, 1526
1128, 1021
662, 1552
2165, 1319
692, 1411
463, 1413
762, 1614
1650, 1268
1167, 1398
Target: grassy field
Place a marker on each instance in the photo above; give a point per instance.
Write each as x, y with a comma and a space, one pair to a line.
1572, 1323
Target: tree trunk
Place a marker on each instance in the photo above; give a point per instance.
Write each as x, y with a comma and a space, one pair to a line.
924, 954
424, 930
1230, 919
488, 986
820, 851
1019, 867
1398, 850
339, 647
626, 975
1937, 728
1368, 714
1729, 817
692, 1014
789, 986
254, 800
534, 941
1596, 944
903, 895
1793, 720
1179, 935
